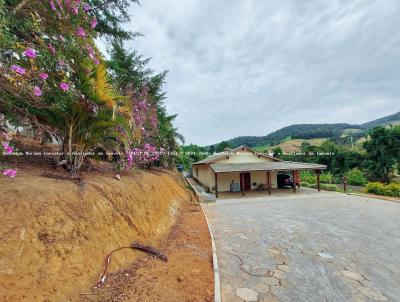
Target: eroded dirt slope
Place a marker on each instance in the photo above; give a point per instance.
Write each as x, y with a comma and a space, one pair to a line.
187, 276
54, 234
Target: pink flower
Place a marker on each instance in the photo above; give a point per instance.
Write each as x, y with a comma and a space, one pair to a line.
52, 49
64, 86
74, 10
86, 7
59, 4
43, 76
62, 38
30, 53
7, 148
96, 62
10, 173
130, 157
93, 23
90, 51
18, 69
37, 91
80, 32
53, 7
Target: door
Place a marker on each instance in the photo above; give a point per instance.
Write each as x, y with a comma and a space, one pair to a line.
245, 181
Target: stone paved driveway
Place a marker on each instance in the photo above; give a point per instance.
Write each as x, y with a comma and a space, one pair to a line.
307, 247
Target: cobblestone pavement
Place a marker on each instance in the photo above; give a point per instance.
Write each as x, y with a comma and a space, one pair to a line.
307, 247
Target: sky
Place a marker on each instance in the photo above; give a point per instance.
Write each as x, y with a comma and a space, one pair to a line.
249, 67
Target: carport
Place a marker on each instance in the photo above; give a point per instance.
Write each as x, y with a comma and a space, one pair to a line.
243, 169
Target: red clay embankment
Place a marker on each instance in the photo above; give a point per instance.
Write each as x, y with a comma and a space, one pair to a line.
54, 235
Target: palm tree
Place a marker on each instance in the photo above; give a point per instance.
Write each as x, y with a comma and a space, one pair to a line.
88, 121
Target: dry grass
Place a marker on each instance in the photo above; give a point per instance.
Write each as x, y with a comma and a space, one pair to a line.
293, 145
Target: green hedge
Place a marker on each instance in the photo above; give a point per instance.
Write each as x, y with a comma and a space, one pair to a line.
392, 189
311, 178
328, 187
308, 185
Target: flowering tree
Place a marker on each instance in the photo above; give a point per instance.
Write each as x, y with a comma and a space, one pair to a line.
132, 72
137, 135
52, 77
51, 74
42, 56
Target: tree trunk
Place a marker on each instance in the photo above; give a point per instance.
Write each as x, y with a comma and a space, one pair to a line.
70, 144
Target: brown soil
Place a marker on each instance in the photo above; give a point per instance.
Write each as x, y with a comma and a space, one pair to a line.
187, 276
54, 234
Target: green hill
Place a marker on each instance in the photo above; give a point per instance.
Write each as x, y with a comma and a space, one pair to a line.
341, 133
307, 131
297, 131
383, 121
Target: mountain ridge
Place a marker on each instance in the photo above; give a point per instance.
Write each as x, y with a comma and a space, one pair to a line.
309, 131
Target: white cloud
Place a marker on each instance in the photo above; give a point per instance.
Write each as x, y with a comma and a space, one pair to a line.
250, 67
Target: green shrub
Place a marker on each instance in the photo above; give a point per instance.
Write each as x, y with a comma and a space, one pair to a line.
356, 177
308, 177
392, 189
311, 178
305, 184
373, 187
326, 178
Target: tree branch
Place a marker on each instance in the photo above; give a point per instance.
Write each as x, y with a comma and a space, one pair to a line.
105, 3
19, 6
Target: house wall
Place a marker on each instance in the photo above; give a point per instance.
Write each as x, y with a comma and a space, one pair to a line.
225, 179
259, 177
204, 175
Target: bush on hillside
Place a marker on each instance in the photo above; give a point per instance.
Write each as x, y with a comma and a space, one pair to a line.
392, 189
356, 177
